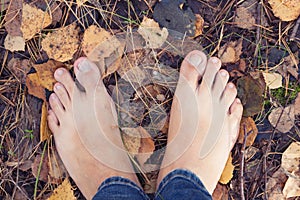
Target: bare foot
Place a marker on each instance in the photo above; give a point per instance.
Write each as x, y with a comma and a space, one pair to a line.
84, 125
204, 120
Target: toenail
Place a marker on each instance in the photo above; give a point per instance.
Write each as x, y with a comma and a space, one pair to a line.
214, 60
223, 73
230, 85
53, 97
58, 87
195, 59
59, 72
84, 66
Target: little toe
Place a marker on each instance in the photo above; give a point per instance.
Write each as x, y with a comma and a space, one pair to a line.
87, 74
52, 121
220, 83
212, 68
56, 106
64, 77
228, 95
62, 94
193, 67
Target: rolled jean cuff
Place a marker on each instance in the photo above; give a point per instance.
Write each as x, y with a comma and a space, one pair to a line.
182, 182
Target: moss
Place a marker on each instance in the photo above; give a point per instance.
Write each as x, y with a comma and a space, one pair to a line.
279, 94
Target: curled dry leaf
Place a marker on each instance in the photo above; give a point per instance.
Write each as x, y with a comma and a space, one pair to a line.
14, 43
230, 52
46, 71
62, 43
273, 80
286, 10
34, 87
248, 124
33, 21
227, 173
154, 36
286, 120
63, 192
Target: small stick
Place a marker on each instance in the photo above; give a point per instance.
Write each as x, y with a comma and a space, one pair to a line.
295, 29
258, 33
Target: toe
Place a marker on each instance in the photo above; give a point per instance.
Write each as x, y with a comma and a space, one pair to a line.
236, 109
228, 95
56, 106
62, 94
87, 74
193, 67
212, 68
220, 83
52, 121
64, 77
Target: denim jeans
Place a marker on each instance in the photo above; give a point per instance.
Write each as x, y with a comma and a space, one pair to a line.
178, 184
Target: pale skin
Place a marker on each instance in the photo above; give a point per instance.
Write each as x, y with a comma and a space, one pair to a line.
88, 172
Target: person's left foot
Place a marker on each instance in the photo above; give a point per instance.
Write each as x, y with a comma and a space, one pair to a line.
85, 129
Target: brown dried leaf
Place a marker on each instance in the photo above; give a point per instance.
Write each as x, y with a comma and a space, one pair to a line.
57, 170
14, 43
34, 86
286, 10
275, 185
19, 68
13, 18
230, 52
45, 132
63, 192
220, 192
131, 139
251, 130
289, 66
199, 24
286, 120
43, 176
62, 43
297, 104
227, 173
244, 17
147, 146
46, 71
33, 21
154, 36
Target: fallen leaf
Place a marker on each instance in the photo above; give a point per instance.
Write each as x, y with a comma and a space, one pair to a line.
63, 192
131, 139
34, 87
275, 185
292, 187
147, 146
199, 23
220, 192
14, 43
55, 12
227, 173
44, 169
290, 160
297, 104
57, 170
19, 68
46, 71
289, 66
230, 52
286, 10
33, 21
154, 36
273, 80
286, 121
251, 94
245, 16
62, 43
13, 18
45, 132
251, 129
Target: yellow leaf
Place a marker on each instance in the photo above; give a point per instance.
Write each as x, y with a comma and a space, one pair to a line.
286, 10
33, 21
227, 172
14, 43
273, 80
199, 23
63, 192
62, 43
34, 86
251, 130
44, 129
154, 36
230, 52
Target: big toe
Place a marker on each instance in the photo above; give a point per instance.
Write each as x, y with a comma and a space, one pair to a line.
192, 68
87, 74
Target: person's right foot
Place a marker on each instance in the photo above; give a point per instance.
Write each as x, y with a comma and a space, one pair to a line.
204, 120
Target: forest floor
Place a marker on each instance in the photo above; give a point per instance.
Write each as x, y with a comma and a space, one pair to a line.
138, 46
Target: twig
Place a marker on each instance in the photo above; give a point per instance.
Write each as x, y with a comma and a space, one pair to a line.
258, 33
295, 29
